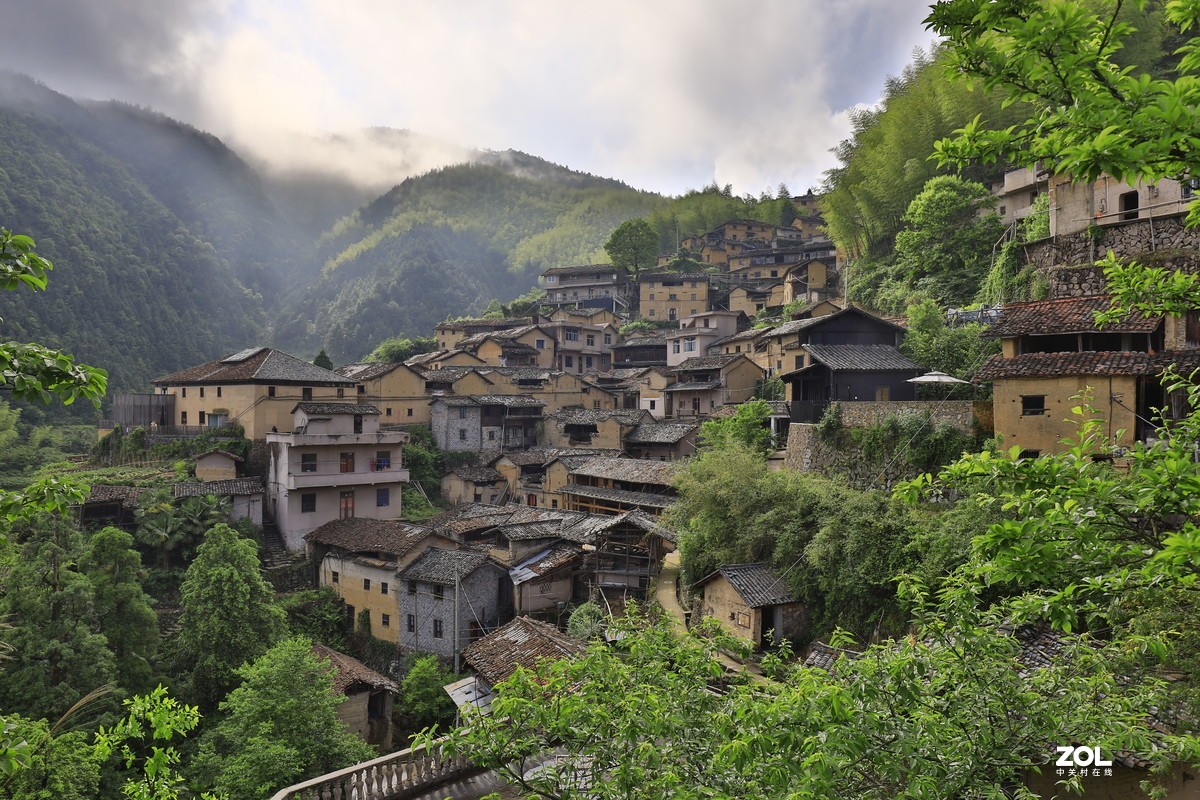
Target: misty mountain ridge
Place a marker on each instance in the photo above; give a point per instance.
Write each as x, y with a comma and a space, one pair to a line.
172, 247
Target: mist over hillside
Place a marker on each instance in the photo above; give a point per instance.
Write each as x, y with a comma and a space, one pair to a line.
171, 248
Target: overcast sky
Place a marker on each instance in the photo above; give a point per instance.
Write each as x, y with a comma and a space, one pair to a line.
664, 94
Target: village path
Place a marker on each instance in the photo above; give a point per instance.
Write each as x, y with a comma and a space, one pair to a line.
666, 592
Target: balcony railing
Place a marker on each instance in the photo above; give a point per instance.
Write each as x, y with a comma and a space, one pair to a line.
309, 479
397, 774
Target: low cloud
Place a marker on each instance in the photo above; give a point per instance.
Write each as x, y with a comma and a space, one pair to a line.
666, 96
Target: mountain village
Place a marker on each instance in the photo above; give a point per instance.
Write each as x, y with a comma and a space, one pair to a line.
566, 433
413, 471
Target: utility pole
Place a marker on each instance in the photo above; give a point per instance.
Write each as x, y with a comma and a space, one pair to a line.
457, 665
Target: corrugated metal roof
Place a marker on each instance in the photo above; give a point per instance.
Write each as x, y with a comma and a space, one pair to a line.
544, 563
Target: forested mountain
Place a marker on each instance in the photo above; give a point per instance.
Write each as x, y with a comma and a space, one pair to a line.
449, 241
135, 290
172, 249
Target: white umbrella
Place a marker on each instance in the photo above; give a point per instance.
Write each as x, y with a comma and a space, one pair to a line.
934, 377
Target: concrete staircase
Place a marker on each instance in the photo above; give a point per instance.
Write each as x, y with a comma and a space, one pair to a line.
274, 553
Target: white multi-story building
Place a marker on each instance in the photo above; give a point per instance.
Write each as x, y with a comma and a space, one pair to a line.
334, 464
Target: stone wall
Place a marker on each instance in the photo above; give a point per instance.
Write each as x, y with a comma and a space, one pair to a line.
1127, 239
807, 453
864, 414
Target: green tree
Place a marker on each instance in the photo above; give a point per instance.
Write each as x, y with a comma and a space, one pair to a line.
959, 351
58, 654
748, 427
141, 741
949, 712
586, 622
886, 161
323, 360
61, 766
1090, 114
398, 349
173, 529
31, 371
423, 702
279, 727
229, 613
37, 373
126, 617
638, 326
946, 247
633, 246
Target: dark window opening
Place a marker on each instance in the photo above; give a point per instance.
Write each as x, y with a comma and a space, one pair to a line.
1033, 405
1129, 205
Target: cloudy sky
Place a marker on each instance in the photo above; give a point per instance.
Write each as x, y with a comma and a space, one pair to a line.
664, 94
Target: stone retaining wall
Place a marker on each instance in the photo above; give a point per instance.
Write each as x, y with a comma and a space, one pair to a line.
864, 414
1127, 240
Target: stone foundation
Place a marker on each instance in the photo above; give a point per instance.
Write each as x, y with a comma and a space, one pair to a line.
1161, 242
864, 414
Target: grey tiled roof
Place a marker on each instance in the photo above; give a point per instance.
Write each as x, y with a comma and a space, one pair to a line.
648, 499
127, 496
1088, 363
585, 416
256, 365
583, 268
632, 470
506, 322
693, 386
707, 363
659, 432
444, 567
506, 400
864, 357
753, 333
349, 672
757, 584
822, 656
452, 373
1066, 315
367, 370
478, 474
795, 326
231, 488
362, 535
544, 455
336, 408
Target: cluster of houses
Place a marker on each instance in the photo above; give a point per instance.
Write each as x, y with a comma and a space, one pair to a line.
571, 432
